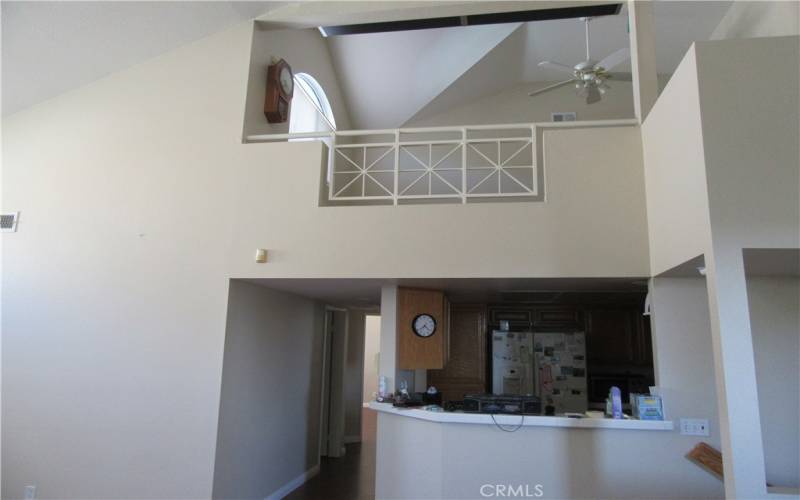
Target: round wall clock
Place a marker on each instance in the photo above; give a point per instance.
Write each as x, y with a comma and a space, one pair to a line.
424, 325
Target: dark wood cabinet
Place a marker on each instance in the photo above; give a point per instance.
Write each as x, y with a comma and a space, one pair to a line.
466, 368
618, 337
561, 319
610, 337
538, 318
519, 317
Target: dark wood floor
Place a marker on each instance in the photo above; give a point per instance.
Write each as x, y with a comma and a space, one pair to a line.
347, 478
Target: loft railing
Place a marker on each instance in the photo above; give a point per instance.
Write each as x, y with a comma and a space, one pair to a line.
436, 163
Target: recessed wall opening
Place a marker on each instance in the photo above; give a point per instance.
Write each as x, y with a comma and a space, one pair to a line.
773, 293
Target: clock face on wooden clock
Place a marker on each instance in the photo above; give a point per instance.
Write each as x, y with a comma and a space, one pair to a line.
280, 88
287, 80
424, 325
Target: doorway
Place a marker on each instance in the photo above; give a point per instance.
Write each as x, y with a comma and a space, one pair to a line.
332, 414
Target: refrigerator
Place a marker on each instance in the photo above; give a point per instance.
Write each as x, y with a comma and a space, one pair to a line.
549, 365
512, 363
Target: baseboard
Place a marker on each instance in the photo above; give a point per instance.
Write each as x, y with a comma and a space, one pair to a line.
294, 484
352, 439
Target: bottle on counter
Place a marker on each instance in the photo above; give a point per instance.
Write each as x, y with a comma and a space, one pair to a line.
615, 402
382, 388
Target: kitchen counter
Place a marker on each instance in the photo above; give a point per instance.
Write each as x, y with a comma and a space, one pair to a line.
450, 455
513, 421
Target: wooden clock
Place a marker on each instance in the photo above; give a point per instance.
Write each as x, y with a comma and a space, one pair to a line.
280, 87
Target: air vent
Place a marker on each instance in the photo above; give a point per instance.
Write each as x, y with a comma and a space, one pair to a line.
570, 116
8, 222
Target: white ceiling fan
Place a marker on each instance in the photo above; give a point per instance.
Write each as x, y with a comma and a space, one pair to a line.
589, 76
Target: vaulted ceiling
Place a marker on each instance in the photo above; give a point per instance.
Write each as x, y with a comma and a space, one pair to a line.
382, 74
52, 47
387, 77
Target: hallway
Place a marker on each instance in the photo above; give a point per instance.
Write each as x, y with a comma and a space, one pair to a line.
350, 477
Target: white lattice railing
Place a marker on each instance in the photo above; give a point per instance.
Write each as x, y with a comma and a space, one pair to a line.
435, 163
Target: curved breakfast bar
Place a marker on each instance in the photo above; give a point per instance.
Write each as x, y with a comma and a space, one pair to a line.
424, 454
522, 420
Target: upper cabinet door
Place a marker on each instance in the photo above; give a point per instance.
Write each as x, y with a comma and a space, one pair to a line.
467, 363
465, 370
610, 338
427, 347
558, 319
518, 317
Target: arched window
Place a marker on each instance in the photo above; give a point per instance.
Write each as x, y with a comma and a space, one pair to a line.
311, 111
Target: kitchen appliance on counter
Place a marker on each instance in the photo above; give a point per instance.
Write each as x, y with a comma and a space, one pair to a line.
492, 403
418, 399
551, 366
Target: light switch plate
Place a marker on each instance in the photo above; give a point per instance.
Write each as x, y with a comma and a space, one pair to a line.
694, 427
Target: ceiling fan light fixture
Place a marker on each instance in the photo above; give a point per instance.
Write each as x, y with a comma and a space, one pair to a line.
589, 75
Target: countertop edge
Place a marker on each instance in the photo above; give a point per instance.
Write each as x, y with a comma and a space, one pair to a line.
527, 421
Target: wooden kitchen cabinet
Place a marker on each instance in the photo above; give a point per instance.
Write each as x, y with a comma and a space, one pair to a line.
558, 319
465, 371
618, 337
610, 337
413, 351
519, 318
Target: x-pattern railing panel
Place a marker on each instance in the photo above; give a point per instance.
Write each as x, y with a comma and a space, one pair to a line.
441, 168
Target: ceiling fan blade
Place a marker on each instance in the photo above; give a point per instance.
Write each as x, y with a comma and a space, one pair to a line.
614, 59
620, 77
550, 87
592, 94
557, 66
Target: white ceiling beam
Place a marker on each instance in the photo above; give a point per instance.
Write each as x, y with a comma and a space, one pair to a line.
643, 56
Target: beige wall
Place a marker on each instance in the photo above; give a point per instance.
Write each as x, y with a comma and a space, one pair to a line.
593, 222
115, 285
684, 369
515, 106
372, 338
775, 321
674, 165
306, 52
750, 142
270, 397
749, 19
750, 130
